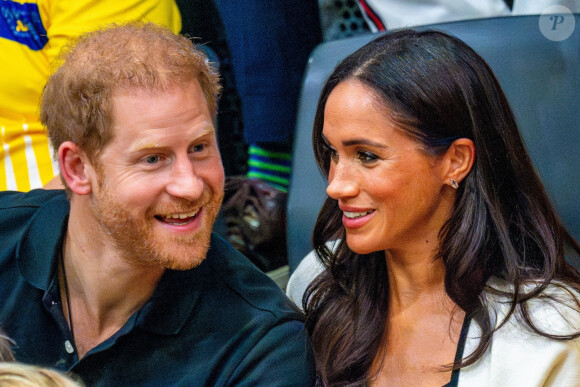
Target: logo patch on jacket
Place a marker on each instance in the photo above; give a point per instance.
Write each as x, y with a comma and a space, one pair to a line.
21, 23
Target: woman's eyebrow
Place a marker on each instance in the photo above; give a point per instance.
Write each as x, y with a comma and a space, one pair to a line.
363, 141
356, 141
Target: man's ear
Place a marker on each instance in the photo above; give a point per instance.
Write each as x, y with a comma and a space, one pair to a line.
458, 161
75, 168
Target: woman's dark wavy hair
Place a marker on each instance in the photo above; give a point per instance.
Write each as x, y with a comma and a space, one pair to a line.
438, 89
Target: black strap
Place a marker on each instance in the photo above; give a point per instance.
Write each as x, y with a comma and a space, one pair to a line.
459, 352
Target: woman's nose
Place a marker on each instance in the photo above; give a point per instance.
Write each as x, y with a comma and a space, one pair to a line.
342, 181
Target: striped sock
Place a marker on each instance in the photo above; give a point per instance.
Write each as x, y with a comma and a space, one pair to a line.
272, 167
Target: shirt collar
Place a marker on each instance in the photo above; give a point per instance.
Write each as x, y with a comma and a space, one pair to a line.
39, 249
172, 302
179, 292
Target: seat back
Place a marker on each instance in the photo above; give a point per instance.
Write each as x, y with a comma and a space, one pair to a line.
540, 77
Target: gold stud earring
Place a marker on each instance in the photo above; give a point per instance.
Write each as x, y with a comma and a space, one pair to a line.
454, 183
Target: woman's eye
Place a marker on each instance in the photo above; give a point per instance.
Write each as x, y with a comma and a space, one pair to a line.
333, 154
330, 151
153, 159
366, 157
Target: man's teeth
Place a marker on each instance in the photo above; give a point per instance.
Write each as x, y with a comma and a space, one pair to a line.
181, 216
353, 215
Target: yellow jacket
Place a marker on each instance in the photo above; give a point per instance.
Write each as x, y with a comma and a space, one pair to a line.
31, 35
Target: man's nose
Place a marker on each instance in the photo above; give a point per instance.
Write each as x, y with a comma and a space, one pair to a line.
184, 182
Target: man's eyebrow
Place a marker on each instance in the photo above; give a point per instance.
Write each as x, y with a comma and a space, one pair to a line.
145, 146
208, 129
149, 145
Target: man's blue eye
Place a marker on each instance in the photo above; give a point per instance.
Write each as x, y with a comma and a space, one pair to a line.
152, 159
199, 148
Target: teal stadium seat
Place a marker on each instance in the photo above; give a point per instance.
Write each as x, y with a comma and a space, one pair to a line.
540, 77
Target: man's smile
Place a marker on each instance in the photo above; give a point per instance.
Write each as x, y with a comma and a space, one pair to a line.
178, 219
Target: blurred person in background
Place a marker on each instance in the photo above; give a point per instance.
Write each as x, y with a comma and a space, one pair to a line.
32, 34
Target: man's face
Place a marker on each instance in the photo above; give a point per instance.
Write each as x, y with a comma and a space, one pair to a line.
160, 179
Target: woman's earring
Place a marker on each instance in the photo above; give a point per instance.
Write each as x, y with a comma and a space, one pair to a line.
454, 183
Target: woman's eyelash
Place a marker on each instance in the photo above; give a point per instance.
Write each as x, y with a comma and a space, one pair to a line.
367, 155
330, 150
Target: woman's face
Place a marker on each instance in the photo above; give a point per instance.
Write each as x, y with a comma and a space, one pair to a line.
390, 192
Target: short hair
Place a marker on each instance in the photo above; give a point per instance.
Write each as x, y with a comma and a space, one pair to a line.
26, 375
76, 102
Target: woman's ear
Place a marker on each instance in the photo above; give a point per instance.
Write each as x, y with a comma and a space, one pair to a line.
74, 168
458, 161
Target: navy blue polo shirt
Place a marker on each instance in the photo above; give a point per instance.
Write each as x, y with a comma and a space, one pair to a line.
223, 323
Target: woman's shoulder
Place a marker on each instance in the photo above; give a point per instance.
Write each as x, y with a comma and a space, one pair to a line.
524, 356
308, 269
555, 310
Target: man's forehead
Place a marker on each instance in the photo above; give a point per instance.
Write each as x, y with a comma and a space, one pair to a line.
139, 111
135, 103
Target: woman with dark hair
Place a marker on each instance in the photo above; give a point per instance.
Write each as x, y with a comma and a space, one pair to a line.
448, 266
